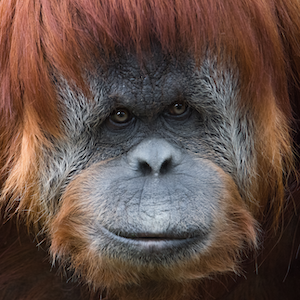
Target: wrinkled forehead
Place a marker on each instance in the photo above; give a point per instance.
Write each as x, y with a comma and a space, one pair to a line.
147, 85
153, 81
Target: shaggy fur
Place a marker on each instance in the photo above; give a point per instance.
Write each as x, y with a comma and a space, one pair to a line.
63, 65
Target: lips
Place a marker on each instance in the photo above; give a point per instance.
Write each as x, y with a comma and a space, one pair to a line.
148, 242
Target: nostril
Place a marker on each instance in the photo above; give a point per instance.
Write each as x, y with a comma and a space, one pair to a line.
145, 168
166, 166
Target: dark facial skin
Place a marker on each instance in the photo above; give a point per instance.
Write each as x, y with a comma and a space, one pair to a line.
148, 190
149, 182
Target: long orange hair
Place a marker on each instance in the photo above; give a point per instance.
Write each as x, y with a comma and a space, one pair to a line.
260, 37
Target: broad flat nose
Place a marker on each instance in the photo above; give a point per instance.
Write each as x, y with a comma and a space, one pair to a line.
154, 157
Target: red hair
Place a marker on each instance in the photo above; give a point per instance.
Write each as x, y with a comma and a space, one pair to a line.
260, 37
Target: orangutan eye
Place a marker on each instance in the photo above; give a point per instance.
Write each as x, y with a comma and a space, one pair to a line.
120, 118
177, 109
121, 115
